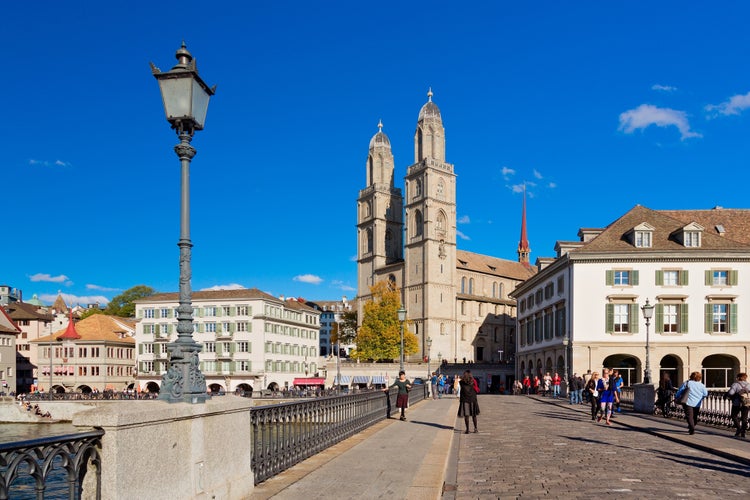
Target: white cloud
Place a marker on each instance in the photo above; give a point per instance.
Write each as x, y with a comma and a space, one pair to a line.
538, 174
49, 279
462, 235
341, 286
663, 88
101, 288
646, 115
734, 106
46, 163
232, 286
309, 278
552, 185
507, 172
74, 300
464, 219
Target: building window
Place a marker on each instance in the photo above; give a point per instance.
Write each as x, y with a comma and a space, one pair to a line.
463, 285
643, 239
560, 322
210, 346
671, 318
242, 311
418, 223
165, 311
721, 317
242, 326
721, 277
209, 311
210, 327
471, 286
148, 313
692, 239
548, 324
671, 277
621, 277
622, 318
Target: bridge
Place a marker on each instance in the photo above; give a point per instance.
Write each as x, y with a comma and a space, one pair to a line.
526, 447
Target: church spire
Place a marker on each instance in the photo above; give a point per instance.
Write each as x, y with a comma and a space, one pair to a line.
523, 244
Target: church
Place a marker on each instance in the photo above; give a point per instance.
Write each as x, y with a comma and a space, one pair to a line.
455, 298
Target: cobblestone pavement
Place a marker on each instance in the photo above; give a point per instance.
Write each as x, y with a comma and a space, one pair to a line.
528, 448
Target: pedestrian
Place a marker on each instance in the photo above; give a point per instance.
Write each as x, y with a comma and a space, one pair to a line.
441, 386
586, 378
526, 385
574, 389
402, 398
433, 385
740, 395
547, 383
536, 384
593, 394
556, 380
468, 406
517, 387
664, 394
606, 389
457, 385
696, 392
617, 381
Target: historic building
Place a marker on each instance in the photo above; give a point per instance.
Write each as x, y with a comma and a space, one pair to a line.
251, 340
457, 299
8, 333
583, 309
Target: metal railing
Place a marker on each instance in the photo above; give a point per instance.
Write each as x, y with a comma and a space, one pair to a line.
715, 410
285, 434
33, 468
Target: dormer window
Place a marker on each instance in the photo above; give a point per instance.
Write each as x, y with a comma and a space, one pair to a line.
642, 235
692, 239
691, 235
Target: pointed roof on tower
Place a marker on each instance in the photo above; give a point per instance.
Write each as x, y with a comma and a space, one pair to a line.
70, 332
523, 244
59, 305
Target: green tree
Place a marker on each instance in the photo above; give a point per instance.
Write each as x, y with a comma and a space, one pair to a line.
348, 328
123, 305
379, 337
90, 312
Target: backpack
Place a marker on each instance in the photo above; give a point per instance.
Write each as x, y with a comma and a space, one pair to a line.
744, 397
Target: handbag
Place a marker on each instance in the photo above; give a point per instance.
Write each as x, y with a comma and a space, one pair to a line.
685, 393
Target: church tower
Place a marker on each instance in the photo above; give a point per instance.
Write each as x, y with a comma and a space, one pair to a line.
430, 247
523, 243
379, 219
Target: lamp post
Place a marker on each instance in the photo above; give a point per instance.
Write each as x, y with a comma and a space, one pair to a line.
401, 319
185, 96
648, 313
337, 318
429, 345
50, 361
440, 361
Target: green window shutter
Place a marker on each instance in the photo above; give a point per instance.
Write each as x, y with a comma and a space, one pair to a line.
233, 311
732, 277
683, 328
732, 317
218, 328
709, 278
708, 318
199, 312
683, 278
609, 278
200, 327
140, 349
249, 328
633, 318
140, 313
659, 278
157, 329
610, 314
233, 347
232, 328
659, 317
634, 278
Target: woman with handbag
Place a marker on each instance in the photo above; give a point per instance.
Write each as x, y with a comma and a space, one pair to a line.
592, 393
690, 395
738, 392
665, 394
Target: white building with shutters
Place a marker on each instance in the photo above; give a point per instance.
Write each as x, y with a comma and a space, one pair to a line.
251, 340
582, 310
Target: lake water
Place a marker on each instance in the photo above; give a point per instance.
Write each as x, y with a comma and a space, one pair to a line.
23, 487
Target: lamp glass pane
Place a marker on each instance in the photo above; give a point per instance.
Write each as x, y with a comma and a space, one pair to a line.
175, 93
200, 104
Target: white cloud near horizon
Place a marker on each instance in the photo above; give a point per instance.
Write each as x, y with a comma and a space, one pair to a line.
464, 219
733, 106
462, 235
308, 278
646, 115
663, 88
231, 286
343, 287
89, 286
49, 278
74, 300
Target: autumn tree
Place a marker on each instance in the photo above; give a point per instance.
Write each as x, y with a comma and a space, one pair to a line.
379, 337
348, 328
123, 305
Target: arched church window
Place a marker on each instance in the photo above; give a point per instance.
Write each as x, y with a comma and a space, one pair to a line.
440, 188
368, 209
463, 285
471, 286
440, 223
418, 223
463, 332
494, 290
388, 243
368, 248
418, 188
392, 281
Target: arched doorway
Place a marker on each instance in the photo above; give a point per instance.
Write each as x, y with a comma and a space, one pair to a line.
627, 365
560, 368
216, 389
84, 389
273, 386
245, 390
719, 371
548, 368
58, 389
152, 387
671, 365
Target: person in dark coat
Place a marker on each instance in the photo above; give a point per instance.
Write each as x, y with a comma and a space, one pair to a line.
402, 398
467, 405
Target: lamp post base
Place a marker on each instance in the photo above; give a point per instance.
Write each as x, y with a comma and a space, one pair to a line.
183, 382
644, 397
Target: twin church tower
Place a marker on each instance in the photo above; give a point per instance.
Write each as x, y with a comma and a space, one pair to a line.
455, 298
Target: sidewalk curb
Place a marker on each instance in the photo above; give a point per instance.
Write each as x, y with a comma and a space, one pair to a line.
676, 439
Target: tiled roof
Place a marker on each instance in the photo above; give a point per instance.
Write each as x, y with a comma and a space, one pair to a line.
242, 293
666, 224
100, 327
493, 265
6, 323
24, 311
59, 305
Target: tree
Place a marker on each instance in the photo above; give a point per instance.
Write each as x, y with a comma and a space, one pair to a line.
379, 337
123, 305
90, 312
348, 328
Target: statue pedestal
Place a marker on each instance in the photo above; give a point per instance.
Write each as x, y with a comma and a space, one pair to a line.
644, 397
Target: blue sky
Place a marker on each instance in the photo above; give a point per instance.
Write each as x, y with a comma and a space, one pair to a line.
596, 106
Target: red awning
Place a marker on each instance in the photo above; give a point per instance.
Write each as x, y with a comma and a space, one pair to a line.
310, 381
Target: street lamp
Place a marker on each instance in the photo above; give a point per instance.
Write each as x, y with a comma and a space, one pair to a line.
440, 361
337, 318
185, 96
648, 313
429, 345
401, 319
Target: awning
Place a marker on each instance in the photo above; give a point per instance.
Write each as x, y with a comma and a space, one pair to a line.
345, 379
309, 381
361, 379
379, 379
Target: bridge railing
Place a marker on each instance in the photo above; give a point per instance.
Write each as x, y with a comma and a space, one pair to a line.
288, 433
51, 467
715, 410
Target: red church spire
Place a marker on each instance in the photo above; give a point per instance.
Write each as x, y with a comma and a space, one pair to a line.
523, 244
70, 332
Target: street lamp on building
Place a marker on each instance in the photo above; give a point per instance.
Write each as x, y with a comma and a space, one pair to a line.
185, 96
401, 319
648, 313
